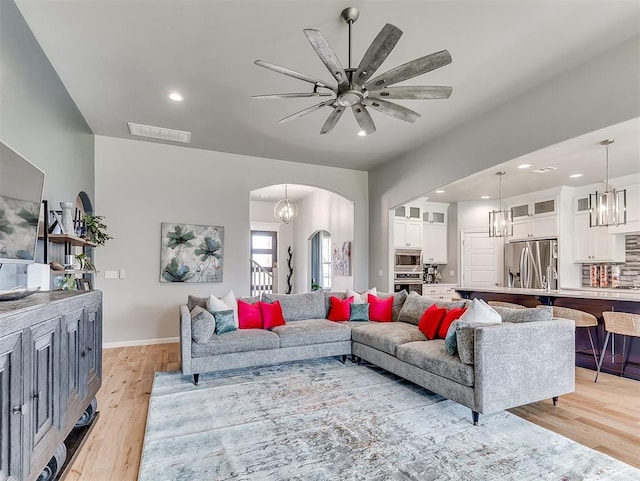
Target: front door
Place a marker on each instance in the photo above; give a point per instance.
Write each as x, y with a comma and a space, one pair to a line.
264, 257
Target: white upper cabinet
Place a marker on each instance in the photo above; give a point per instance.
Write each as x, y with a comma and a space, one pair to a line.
407, 226
434, 233
594, 244
536, 219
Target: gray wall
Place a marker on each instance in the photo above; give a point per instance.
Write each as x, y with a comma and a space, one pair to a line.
39, 119
598, 93
139, 185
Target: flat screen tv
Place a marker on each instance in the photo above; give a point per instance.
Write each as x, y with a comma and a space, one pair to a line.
21, 185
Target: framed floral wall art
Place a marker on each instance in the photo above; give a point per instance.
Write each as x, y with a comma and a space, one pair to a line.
191, 253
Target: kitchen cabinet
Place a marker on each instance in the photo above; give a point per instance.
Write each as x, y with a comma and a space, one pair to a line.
535, 220
48, 377
408, 212
407, 234
441, 292
434, 233
594, 244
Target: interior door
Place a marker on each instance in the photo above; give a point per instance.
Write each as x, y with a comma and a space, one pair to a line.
481, 260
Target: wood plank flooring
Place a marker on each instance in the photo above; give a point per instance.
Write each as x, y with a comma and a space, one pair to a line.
604, 416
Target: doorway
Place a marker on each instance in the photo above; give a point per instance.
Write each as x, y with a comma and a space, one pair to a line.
481, 259
264, 262
321, 260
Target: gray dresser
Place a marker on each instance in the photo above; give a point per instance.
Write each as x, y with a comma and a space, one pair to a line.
50, 372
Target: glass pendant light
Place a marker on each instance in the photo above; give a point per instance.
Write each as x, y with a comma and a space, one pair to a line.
608, 208
286, 210
500, 221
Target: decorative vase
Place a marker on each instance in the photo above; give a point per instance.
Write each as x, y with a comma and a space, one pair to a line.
67, 218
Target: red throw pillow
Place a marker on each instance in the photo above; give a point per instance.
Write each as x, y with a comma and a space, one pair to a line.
380, 310
271, 315
451, 316
431, 320
339, 310
249, 315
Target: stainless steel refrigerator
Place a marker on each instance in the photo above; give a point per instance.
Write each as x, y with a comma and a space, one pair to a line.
531, 264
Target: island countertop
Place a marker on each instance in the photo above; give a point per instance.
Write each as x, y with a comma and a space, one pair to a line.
602, 294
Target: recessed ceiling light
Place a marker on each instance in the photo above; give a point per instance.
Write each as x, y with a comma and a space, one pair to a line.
575, 176
175, 96
362, 133
439, 191
485, 197
524, 166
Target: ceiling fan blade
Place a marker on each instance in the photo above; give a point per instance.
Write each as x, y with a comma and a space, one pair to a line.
363, 117
394, 110
306, 111
412, 92
294, 74
327, 55
377, 52
332, 120
410, 69
292, 96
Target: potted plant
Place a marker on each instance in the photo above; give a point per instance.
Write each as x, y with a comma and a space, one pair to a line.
96, 229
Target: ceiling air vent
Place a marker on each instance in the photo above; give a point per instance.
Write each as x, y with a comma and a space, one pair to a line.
544, 170
159, 133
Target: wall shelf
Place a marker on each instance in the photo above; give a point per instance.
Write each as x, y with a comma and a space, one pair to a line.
70, 239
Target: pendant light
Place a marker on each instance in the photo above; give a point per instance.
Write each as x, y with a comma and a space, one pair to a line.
286, 210
608, 208
500, 221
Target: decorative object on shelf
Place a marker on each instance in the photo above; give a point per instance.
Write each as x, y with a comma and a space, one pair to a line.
608, 208
285, 210
356, 88
594, 275
341, 259
56, 266
64, 283
85, 262
67, 218
501, 220
96, 229
289, 269
191, 253
84, 284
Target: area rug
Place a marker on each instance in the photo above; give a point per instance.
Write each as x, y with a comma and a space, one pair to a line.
322, 420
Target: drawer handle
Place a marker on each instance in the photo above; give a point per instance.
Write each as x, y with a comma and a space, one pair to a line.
83, 354
20, 409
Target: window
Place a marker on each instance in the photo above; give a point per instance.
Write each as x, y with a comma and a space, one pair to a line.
321, 260
264, 255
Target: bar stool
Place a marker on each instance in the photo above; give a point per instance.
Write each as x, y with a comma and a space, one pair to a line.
581, 319
505, 304
623, 323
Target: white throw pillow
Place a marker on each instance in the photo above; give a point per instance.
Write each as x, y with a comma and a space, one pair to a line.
226, 302
480, 311
361, 298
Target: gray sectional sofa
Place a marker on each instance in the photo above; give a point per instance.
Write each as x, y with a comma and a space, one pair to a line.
498, 366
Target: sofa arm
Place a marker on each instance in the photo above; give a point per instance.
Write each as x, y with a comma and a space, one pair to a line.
185, 339
517, 364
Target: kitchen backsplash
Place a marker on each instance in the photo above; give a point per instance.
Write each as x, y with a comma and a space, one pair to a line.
629, 271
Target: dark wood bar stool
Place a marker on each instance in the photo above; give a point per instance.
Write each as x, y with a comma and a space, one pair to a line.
624, 324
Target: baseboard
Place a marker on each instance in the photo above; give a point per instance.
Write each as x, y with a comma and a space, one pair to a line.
140, 342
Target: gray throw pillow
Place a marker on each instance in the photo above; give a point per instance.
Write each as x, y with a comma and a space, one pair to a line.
193, 301
295, 307
398, 301
225, 321
415, 305
203, 324
508, 314
460, 339
359, 312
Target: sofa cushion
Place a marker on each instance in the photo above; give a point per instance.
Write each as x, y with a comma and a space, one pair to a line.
359, 312
386, 336
249, 315
193, 301
271, 315
431, 320
542, 313
228, 301
327, 300
309, 305
451, 315
225, 321
380, 310
340, 309
479, 312
415, 305
237, 341
361, 297
203, 324
398, 301
432, 356
311, 331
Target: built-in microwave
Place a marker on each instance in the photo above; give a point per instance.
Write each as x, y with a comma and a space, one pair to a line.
408, 260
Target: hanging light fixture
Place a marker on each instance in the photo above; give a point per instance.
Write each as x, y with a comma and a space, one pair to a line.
286, 210
608, 208
500, 221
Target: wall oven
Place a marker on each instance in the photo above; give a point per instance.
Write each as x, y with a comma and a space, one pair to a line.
408, 260
410, 281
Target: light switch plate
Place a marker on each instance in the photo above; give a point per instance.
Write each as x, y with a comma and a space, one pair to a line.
122, 274
110, 274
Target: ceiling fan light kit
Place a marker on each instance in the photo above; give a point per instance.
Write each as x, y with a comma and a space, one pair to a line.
608, 208
355, 88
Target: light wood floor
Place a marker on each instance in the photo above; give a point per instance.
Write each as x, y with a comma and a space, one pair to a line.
604, 416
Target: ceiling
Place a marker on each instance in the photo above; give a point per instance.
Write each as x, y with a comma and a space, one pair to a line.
119, 60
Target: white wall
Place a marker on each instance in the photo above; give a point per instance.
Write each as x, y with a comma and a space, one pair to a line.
598, 93
139, 185
323, 210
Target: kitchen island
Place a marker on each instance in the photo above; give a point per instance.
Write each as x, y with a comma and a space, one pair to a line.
593, 301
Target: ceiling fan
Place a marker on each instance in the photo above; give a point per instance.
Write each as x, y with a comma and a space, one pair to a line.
355, 86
